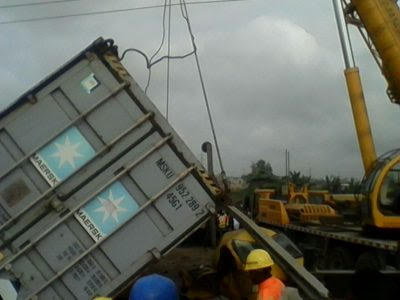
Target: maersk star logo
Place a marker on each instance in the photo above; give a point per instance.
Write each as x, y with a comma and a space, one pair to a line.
63, 156
107, 211
67, 153
111, 207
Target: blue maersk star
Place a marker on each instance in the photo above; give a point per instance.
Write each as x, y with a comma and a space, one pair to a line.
67, 153
110, 207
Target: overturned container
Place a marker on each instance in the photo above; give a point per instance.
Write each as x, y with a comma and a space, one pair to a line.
94, 183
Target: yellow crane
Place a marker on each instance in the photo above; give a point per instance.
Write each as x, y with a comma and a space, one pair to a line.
380, 19
345, 245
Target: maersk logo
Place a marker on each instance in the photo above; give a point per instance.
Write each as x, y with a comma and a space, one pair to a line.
107, 211
63, 156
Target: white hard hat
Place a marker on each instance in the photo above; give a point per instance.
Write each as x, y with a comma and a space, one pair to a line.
7, 290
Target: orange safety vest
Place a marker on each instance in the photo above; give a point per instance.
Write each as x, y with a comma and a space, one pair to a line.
270, 289
223, 221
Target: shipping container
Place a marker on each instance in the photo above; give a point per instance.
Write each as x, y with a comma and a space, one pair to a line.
94, 182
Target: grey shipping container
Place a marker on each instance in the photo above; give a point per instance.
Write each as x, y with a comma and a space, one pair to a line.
94, 182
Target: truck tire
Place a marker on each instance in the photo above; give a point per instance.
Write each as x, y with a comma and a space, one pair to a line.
339, 258
370, 260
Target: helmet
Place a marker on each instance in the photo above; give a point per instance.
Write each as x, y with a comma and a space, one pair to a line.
102, 298
154, 287
258, 259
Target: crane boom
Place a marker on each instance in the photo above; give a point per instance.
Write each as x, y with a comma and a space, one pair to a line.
380, 208
381, 20
356, 95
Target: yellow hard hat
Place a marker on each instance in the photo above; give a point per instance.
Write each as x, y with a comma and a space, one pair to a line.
258, 259
102, 298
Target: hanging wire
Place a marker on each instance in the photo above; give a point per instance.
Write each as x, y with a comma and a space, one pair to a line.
150, 63
104, 12
185, 15
168, 59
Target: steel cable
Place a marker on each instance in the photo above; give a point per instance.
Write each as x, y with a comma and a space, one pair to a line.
185, 15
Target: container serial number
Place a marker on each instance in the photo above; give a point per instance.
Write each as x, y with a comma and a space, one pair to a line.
180, 196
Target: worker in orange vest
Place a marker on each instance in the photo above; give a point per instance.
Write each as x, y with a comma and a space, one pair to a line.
258, 265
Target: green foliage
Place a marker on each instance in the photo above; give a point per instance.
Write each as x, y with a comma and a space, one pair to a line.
298, 179
261, 171
333, 184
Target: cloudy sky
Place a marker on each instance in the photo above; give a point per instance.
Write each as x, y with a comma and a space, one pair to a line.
273, 72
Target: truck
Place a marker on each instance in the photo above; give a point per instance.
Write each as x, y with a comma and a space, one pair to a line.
331, 241
94, 183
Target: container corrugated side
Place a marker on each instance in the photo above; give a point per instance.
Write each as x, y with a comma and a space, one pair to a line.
104, 183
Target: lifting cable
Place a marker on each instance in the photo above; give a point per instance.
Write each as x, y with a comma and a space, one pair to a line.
185, 15
168, 59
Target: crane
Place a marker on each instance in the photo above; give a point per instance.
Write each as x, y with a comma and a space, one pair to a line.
368, 239
379, 24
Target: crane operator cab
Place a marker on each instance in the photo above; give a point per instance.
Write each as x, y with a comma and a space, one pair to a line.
382, 188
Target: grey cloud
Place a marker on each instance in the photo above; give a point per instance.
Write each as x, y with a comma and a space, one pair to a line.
273, 71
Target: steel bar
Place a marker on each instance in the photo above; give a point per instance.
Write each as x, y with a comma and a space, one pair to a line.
310, 285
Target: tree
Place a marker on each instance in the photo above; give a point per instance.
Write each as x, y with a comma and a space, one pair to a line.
333, 184
298, 179
260, 170
354, 186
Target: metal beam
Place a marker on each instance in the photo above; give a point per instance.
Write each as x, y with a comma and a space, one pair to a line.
305, 281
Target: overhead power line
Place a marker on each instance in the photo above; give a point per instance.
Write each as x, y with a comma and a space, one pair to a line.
36, 3
110, 11
159, 48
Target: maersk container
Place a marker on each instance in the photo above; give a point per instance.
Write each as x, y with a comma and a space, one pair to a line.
94, 183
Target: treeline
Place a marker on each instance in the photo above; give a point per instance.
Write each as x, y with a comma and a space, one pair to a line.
262, 176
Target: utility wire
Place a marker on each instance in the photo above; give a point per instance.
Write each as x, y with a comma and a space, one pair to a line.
103, 12
168, 58
149, 62
159, 48
185, 15
36, 3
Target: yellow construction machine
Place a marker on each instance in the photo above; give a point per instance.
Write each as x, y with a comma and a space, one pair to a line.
379, 202
333, 242
380, 19
227, 276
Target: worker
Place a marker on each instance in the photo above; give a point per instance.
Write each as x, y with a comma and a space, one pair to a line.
154, 287
259, 266
223, 221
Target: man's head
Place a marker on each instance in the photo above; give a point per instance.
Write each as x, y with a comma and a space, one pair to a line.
258, 265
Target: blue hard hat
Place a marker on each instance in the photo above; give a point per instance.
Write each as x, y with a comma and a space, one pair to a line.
154, 287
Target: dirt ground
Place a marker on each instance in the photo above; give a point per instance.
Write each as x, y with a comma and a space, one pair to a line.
179, 259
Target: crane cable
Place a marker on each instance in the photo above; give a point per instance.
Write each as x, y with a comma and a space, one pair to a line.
185, 15
168, 59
